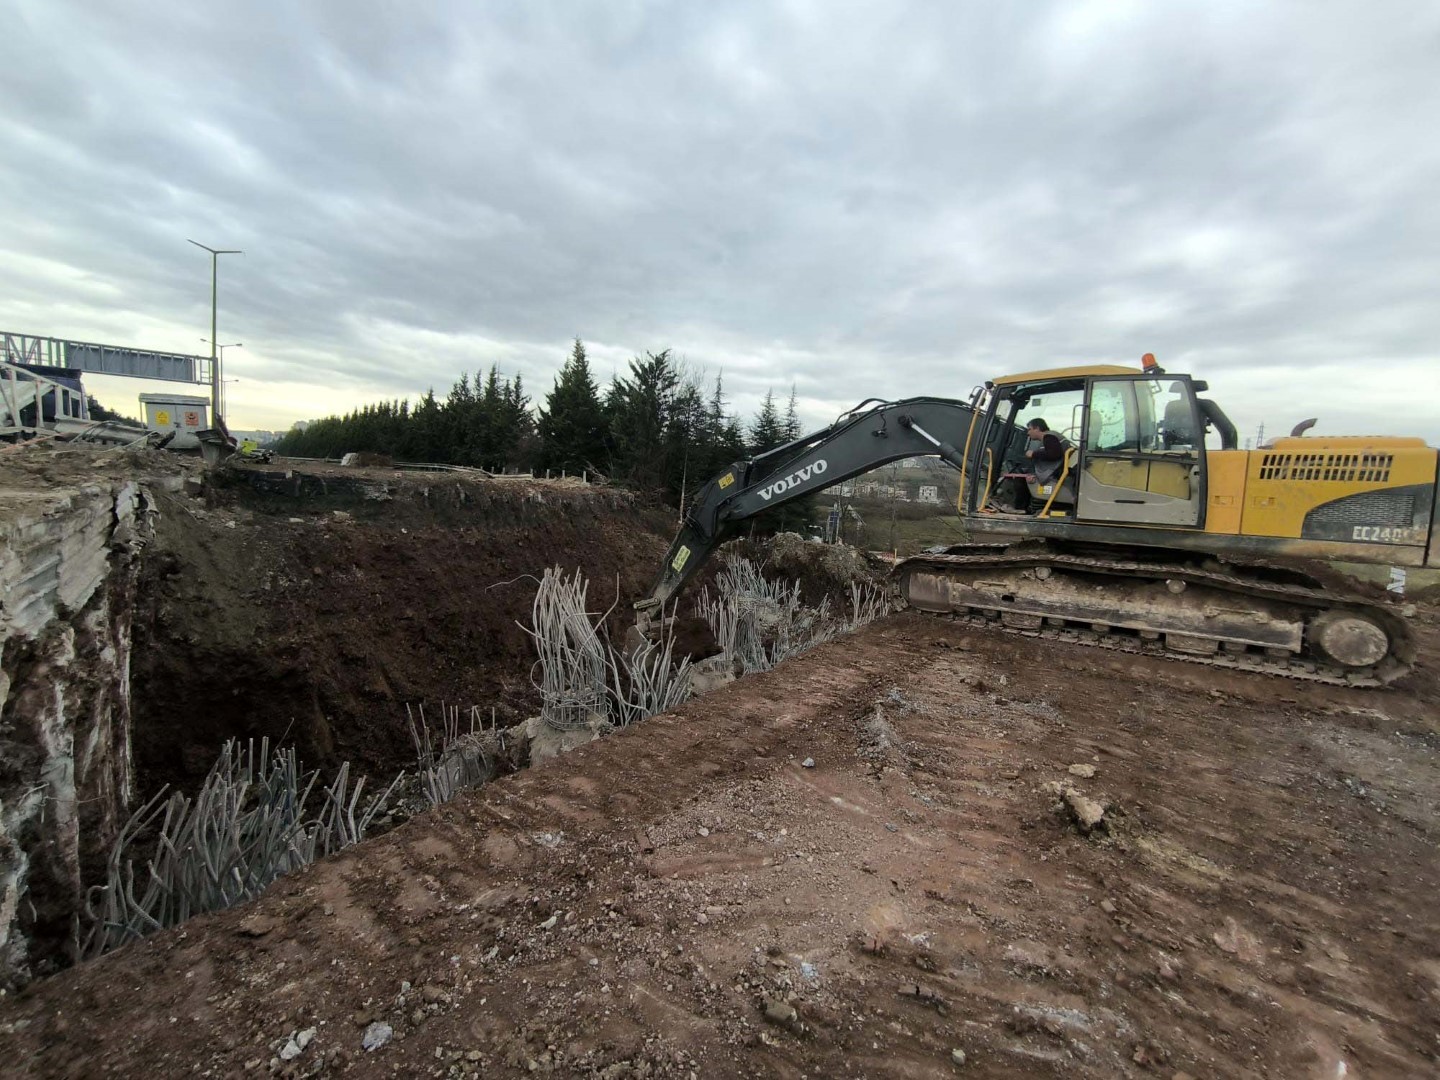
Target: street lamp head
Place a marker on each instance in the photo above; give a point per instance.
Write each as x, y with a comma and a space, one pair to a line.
215, 251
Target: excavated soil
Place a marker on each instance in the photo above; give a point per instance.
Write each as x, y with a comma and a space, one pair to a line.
865, 863
313, 604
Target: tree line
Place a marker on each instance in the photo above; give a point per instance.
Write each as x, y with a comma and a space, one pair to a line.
656, 428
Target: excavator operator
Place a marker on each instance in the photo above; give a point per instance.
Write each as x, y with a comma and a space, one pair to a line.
1044, 453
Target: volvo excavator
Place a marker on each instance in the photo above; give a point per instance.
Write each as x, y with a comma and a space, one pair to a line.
1144, 539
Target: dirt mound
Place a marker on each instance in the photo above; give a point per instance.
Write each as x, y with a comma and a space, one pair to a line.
312, 606
823, 570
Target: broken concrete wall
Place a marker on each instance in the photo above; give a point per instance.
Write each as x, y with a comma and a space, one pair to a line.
68, 573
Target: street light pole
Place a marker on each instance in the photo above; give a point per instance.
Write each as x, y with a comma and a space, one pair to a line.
223, 380
215, 361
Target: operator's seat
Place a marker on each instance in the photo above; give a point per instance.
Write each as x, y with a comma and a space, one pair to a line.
1042, 490
1179, 421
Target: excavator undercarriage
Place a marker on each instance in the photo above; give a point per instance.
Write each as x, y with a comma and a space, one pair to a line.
1251, 617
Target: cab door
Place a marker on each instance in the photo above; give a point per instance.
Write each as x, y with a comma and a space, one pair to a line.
1143, 458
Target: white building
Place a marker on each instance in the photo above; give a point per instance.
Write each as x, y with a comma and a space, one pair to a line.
929, 493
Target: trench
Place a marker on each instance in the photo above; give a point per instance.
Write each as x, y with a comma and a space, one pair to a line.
146, 623
312, 610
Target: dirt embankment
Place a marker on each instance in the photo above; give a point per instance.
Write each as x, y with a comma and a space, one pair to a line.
311, 605
864, 863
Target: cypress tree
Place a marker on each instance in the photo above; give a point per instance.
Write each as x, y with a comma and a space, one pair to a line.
639, 410
791, 424
572, 423
766, 433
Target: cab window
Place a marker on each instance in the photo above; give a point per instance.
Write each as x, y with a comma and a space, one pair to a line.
1174, 413
1060, 409
1114, 418
1141, 416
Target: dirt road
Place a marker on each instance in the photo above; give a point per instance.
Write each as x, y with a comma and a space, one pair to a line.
863, 864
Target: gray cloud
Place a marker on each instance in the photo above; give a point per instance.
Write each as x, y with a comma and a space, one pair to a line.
862, 199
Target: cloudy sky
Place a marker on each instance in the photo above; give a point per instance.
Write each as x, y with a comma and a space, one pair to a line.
859, 198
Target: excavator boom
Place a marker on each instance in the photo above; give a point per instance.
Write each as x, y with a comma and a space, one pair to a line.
865, 438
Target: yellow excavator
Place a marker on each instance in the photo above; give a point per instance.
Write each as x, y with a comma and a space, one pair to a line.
1141, 537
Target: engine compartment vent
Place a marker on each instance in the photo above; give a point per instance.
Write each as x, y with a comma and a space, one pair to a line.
1349, 468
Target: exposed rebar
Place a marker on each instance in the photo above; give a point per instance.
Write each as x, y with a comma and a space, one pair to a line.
574, 662
760, 623
245, 827
461, 760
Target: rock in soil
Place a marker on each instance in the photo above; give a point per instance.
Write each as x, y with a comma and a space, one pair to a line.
1089, 813
376, 1035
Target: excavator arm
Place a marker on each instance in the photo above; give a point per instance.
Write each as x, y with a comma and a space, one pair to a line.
865, 438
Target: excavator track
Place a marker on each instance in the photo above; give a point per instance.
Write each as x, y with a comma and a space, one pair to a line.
1172, 609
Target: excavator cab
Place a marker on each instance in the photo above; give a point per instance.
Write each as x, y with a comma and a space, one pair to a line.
1134, 447
1143, 460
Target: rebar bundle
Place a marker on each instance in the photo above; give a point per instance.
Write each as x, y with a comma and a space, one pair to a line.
574, 663
761, 623
583, 681
758, 622
460, 761
246, 826
867, 603
647, 681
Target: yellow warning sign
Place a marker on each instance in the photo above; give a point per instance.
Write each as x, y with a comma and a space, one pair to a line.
681, 557
162, 417
726, 480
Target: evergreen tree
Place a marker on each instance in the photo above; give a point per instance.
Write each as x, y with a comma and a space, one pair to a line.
459, 418
485, 445
514, 427
427, 430
766, 433
791, 424
639, 412
100, 412
687, 456
572, 425
654, 428
722, 437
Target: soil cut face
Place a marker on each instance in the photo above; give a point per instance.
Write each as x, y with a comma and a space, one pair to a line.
866, 863
312, 605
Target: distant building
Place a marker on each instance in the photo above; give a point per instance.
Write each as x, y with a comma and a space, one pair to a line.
891, 491
929, 493
867, 489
